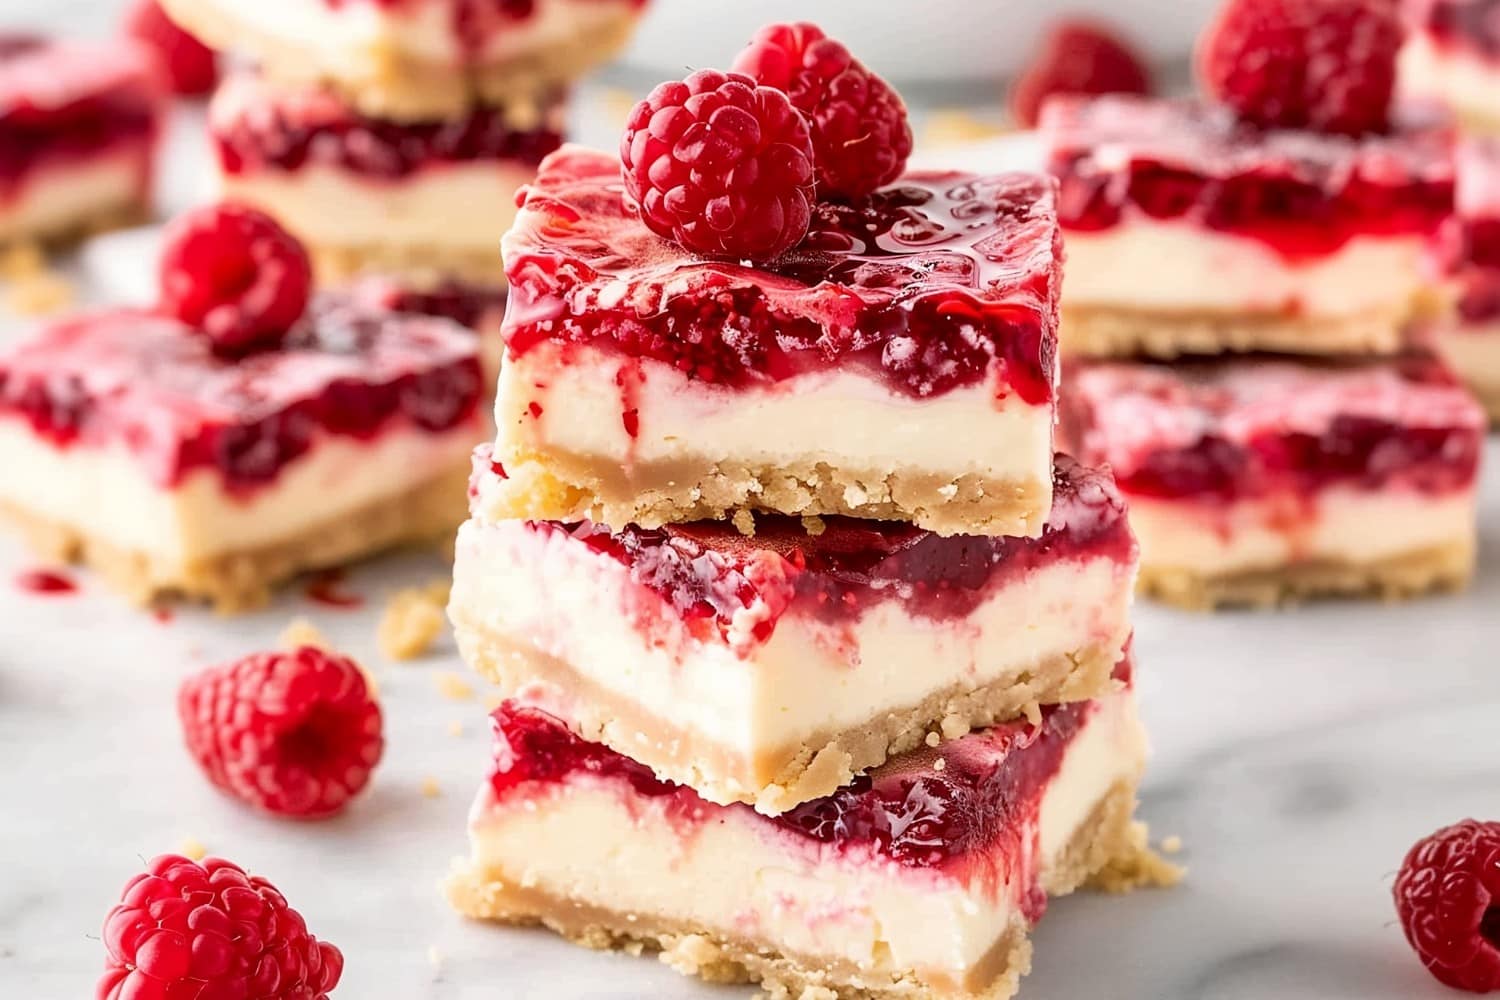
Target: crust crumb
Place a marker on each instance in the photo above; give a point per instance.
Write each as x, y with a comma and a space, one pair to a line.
414, 617
1137, 868
192, 849
933, 739
39, 294
1033, 713
455, 728
430, 788
301, 632
22, 260
814, 525
744, 522
1171, 844
453, 687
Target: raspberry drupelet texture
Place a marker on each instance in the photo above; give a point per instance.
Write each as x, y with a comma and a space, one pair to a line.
1327, 65
1077, 57
721, 166
184, 929
1448, 902
234, 273
293, 733
192, 68
861, 136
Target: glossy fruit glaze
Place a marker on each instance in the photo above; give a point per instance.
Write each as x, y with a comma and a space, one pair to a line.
256, 127
708, 572
1472, 24
66, 101
1304, 194
1254, 427
155, 386
939, 282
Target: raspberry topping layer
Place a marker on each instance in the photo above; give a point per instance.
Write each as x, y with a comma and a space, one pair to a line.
62, 101
1470, 24
939, 282
1254, 427
741, 586
257, 127
155, 386
1302, 193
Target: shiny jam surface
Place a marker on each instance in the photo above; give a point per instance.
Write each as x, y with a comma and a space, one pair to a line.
156, 386
1303, 194
1254, 427
939, 282
709, 573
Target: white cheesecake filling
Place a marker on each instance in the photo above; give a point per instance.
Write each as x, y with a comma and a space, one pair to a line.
1473, 351
462, 207
1450, 75
737, 876
107, 493
1146, 265
811, 678
1348, 525
572, 398
57, 196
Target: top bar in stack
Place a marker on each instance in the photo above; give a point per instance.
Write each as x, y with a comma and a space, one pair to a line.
1191, 232
898, 364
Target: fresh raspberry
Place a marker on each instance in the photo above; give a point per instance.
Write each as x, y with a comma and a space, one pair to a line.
721, 166
183, 929
192, 68
1448, 902
294, 733
1328, 65
1077, 57
236, 274
861, 137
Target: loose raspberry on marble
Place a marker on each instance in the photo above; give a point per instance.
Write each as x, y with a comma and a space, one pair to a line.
861, 136
721, 166
294, 733
234, 273
1077, 57
192, 68
1448, 902
184, 929
1327, 65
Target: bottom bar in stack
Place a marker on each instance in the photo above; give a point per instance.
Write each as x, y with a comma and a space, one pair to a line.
920, 879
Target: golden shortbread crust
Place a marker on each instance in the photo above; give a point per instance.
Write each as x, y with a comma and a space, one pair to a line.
415, 266
133, 213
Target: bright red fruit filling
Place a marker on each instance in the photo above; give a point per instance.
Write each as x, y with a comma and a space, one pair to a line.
62, 102
709, 572
940, 282
1251, 428
1301, 193
156, 387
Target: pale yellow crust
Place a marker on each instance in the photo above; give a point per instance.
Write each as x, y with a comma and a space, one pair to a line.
1098, 332
243, 580
385, 82
1444, 568
775, 780
565, 487
1109, 849
134, 213
416, 266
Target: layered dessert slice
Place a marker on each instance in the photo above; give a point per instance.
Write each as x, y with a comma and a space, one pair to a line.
476, 306
132, 446
899, 363
418, 59
1254, 480
424, 201
1470, 343
770, 669
921, 879
1452, 58
1191, 232
79, 123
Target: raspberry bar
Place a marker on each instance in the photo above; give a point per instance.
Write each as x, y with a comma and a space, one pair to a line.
899, 363
1254, 480
418, 59
79, 123
772, 669
1471, 342
1191, 232
136, 448
426, 201
1452, 58
921, 879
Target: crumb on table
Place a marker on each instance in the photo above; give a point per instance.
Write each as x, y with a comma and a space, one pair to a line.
414, 618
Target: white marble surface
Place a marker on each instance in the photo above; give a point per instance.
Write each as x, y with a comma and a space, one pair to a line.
1298, 755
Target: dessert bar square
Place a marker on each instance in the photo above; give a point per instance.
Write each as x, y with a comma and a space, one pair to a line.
770, 669
1470, 340
921, 879
898, 364
131, 446
1256, 480
1452, 58
1190, 232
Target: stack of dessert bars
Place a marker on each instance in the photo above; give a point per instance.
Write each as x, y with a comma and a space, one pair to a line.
391, 138
1244, 341
816, 655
